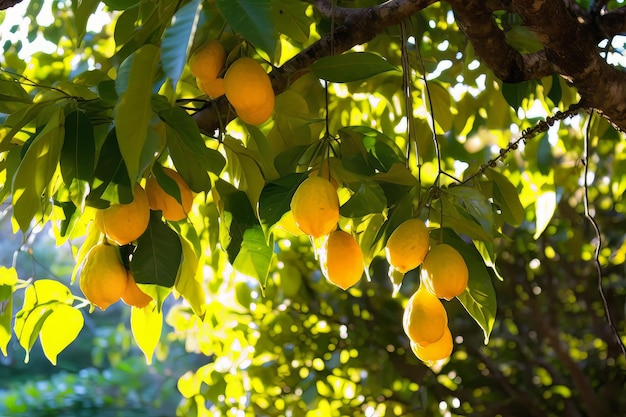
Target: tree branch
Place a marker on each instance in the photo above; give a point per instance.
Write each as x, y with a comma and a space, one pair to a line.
359, 26
475, 19
571, 47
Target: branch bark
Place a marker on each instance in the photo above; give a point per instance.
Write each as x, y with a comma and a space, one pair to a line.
5, 4
569, 34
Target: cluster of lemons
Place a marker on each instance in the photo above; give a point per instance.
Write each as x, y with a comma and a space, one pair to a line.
315, 209
245, 83
104, 279
443, 274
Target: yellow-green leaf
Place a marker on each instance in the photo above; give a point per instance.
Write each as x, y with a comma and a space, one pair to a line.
59, 330
189, 282
133, 115
544, 210
146, 324
6, 313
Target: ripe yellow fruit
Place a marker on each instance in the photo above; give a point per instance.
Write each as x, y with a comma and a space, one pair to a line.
256, 116
103, 278
436, 351
160, 200
124, 223
249, 89
425, 319
315, 207
133, 296
407, 245
444, 272
213, 87
207, 62
342, 259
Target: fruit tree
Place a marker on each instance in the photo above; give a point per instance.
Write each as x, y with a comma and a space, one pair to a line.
350, 207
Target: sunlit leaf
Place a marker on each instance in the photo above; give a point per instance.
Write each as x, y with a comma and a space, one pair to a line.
352, 66
507, 198
253, 20
290, 18
189, 281
178, 38
367, 198
545, 207
83, 12
36, 170
146, 325
6, 330
134, 112
255, 255
59, 330
275, 199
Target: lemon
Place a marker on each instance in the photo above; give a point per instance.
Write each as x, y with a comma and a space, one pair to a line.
124, 223
435, 351
342, 259
407, 245
425, 319
315, 207
103, 278
444, 272
207, 62
159, 199
133, 296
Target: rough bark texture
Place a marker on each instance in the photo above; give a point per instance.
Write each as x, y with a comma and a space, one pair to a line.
569, 34
5, 4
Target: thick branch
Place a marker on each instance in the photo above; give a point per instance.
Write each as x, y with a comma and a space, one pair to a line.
475, 19
570, 46
5, 4
359, 26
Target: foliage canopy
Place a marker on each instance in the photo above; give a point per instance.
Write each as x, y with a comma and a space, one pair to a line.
498, 143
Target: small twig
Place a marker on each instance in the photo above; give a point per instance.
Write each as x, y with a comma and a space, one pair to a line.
596, 229
541, 127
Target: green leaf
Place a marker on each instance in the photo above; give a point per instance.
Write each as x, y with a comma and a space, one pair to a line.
556, 93
475, 204
545, 159
146, 325
78, 153
28, 325
111, 173
479, 299
255, 255
59, 330
189, 153
6, 330
12, 96
253, 20
368, 198
178, 38
36, 170
132, 117
189, 281
158, 254
441, 102
514, 94
17, 120
236, 216
545, 206
244, 168
352, 66
290, 18
382, 151
275, 199
84, 11
505, 195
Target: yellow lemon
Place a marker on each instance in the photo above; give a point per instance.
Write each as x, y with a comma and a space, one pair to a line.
436, 351
207, 62
315, 207
425, 319
407, 245
103, 278
160, 200
124, 223
444, 272
342, 259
